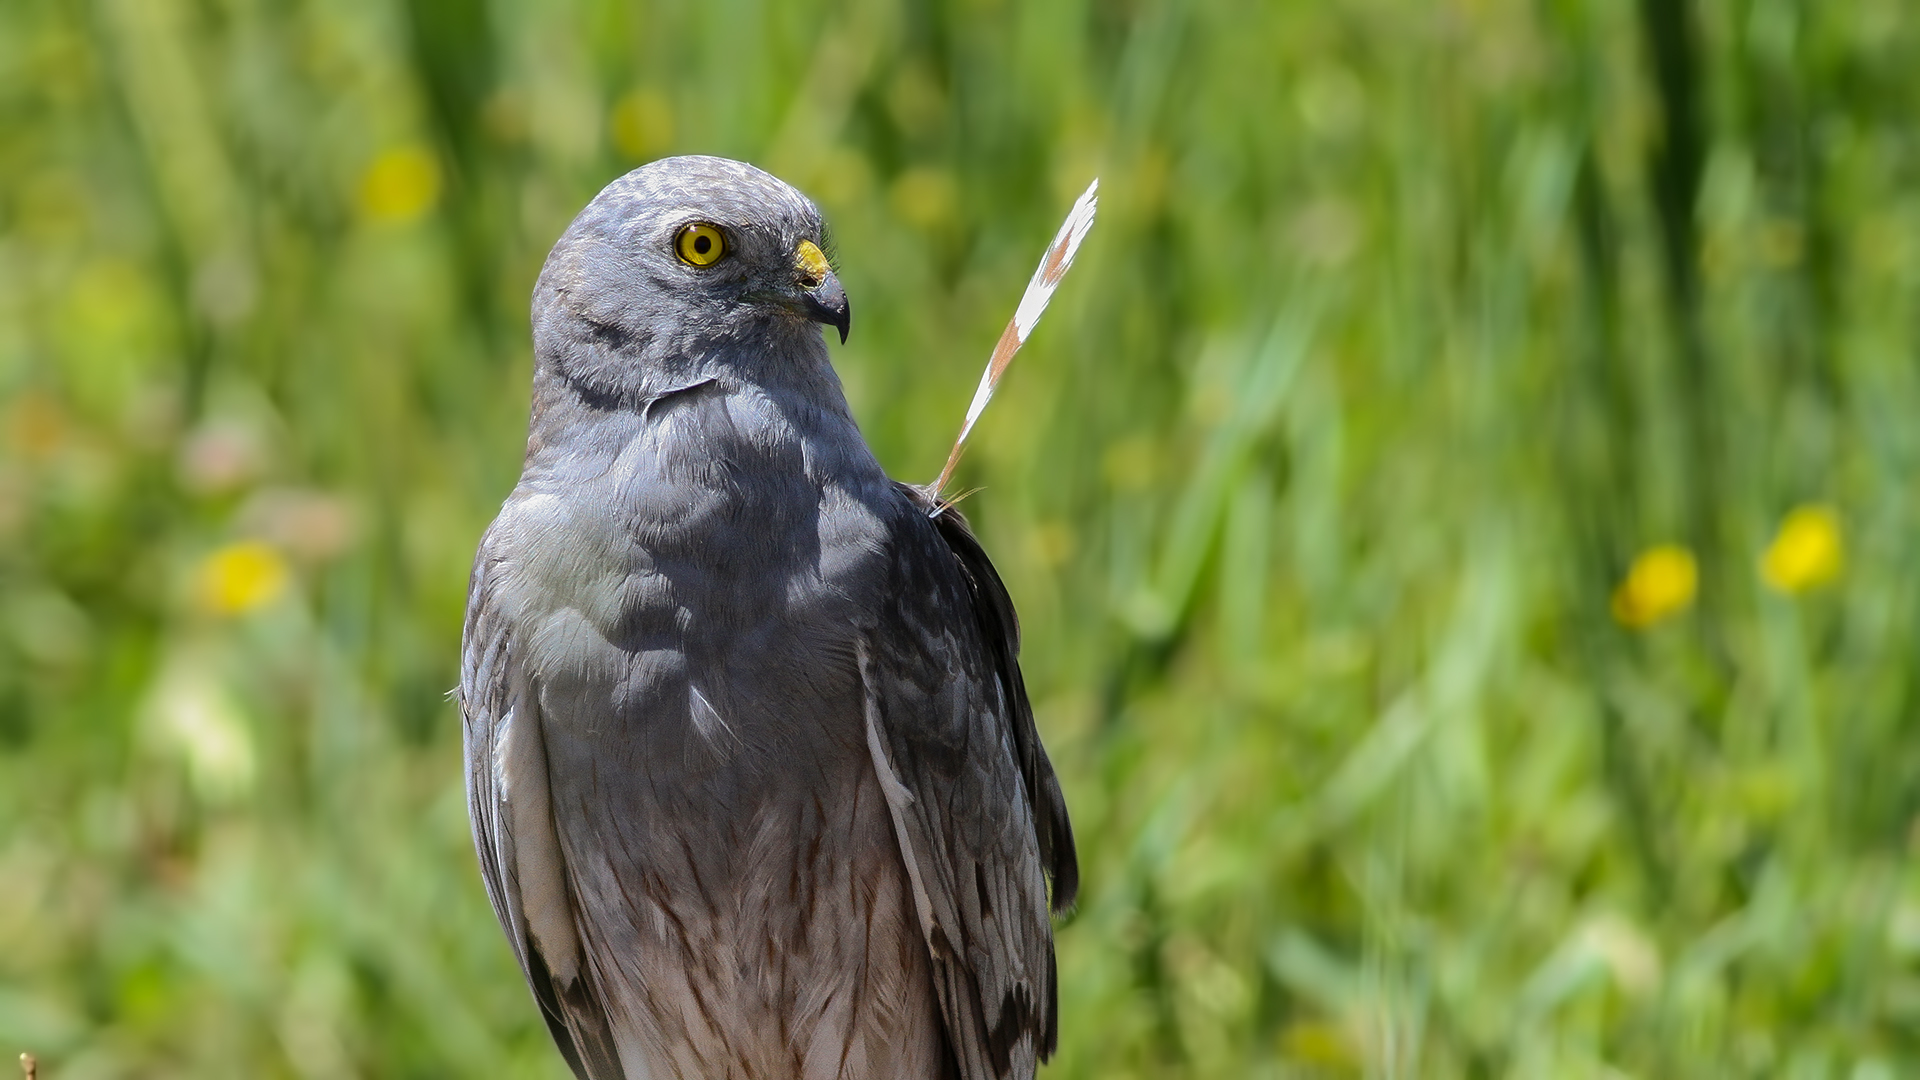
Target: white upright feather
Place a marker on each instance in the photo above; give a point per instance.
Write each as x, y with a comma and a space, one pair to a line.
1046, 278
1060, 253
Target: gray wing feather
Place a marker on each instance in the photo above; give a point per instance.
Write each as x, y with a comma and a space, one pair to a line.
977, 809
500, 717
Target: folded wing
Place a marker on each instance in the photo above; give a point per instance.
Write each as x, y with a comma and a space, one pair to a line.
977, 810
513, 833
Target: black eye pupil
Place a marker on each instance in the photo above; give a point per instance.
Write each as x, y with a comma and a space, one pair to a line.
702, 245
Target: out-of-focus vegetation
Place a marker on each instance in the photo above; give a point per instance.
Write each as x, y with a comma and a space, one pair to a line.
1462, 504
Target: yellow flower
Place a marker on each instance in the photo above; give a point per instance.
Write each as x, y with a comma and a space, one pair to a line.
925, 196
1320, 1042
1661, 582
240, 577
400, 185
1806, 553
641, 124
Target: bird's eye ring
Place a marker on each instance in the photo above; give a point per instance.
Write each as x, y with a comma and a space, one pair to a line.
700, 244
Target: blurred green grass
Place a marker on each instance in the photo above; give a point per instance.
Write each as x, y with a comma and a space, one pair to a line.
1407, 329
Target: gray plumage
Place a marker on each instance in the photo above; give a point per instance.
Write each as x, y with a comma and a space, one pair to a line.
753, 777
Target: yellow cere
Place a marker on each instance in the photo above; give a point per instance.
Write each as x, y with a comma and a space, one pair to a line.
1806, 553
1661, 582
240, 577
701, 244
811, 262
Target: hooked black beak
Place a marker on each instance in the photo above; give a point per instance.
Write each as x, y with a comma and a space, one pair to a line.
820, 292
827, 303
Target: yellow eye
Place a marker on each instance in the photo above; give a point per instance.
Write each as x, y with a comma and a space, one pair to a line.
700, 244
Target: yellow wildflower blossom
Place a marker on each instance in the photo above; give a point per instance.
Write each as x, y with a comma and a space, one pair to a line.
1806, 553
1322, 1043
400, 185
641, 124
1661, 582
925, 196
240, 577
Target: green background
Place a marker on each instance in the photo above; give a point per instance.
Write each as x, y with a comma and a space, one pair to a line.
1405, 327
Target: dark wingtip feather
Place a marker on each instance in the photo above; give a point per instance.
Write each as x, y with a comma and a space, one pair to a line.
587, 1044
1065, 865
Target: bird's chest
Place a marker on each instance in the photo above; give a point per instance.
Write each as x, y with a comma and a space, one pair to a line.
693, 596
745, 525
711, 526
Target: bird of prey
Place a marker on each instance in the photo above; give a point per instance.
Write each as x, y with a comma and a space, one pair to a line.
753, 776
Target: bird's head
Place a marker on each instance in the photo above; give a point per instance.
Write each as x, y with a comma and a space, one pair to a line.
681, 258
